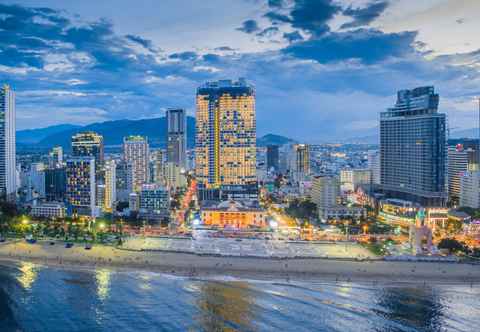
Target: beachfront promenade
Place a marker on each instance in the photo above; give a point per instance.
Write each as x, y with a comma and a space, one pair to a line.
250, 247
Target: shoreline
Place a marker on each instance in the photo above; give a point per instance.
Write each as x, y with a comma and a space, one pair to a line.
289, 269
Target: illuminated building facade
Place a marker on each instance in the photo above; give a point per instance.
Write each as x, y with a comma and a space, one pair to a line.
89, 144
8, 176
81, 188
225, 151
110, 195
233, 214
136, 154
413, 148
177, 137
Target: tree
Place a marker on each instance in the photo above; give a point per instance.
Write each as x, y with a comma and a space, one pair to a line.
452, 245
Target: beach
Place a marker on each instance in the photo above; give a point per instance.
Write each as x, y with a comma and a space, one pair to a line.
189, 264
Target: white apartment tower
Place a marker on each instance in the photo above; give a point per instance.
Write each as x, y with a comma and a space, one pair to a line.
8, 174
136, 154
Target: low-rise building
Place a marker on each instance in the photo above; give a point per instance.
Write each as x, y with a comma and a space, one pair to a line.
233, 214
154, 202
49, 210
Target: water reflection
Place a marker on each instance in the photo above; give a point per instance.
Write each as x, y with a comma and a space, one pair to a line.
27, 274
102, 277
417, 307
225, 307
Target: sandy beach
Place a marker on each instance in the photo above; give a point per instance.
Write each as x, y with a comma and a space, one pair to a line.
188, 264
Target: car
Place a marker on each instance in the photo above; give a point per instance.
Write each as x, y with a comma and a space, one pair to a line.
68, 245
88, 246
52, 243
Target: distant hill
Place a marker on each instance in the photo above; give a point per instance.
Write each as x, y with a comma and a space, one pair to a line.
465, 133
272, 139
33, 136
112, 131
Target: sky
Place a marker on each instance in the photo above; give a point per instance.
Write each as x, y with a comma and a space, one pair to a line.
323, 69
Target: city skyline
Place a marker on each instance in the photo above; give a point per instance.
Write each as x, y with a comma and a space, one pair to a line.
319, 64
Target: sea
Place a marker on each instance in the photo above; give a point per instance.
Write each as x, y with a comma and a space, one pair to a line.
39, 298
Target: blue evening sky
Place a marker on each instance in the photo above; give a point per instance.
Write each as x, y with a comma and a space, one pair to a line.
323, 69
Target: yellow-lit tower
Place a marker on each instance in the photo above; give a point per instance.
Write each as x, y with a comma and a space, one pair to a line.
226, 140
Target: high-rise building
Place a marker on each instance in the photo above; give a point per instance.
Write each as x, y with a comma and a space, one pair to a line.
225, 153
174, 176
55, 157
460, 157
110, 196
325, 191
273, 157
55, 184
8, 170
177, 137
373, 162
36, 181
413, 148
89, 144
124, 176
81, 186
158, 173
136, 154
299, 161
470, 189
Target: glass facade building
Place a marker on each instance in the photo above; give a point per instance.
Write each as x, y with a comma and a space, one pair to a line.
413, 148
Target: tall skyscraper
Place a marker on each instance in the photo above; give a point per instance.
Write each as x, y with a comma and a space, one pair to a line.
136, 154
89, 144
81, 186
55, 184
412, 148
225, 152
8, 174
176, 137
373, 162
124, 183
273, 157
110, 196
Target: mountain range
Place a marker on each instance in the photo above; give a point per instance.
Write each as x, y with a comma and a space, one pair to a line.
113, 133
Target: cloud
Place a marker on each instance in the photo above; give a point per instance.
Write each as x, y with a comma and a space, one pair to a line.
313, 15
368, 46
145, 43
364, 16
292, 36
268, 32
276, 3
249, 26
184, 56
